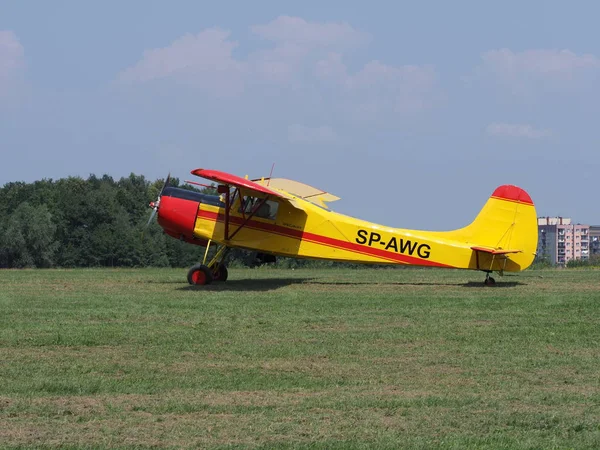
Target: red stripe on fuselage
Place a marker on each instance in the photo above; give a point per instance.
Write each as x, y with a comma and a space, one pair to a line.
320, 239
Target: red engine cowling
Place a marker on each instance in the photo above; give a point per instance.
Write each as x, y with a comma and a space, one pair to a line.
178, 211
177, 215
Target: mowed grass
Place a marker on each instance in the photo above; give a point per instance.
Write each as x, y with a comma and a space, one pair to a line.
299, 359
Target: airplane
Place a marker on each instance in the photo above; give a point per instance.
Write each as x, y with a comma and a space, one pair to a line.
281, 217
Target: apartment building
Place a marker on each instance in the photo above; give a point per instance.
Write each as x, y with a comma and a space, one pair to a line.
595, 240
560, 240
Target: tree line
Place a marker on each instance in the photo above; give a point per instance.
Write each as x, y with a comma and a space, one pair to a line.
93, 222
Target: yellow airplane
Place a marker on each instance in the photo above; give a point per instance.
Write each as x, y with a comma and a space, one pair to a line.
280, 217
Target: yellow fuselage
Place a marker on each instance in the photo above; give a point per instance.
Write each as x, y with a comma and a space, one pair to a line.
305, 230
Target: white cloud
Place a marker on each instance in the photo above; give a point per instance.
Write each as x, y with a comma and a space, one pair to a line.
11, 55
298, 44
517, 130
300, 134
305, 62
379, 88
280, 64
405, 87
310, 34
544, 70
204, 60
331, 67
543, 63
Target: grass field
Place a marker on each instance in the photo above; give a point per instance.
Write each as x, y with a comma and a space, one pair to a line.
299, 359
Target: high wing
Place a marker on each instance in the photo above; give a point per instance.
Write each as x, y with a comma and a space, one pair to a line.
304, 191
239, 182
233, 180
228, 180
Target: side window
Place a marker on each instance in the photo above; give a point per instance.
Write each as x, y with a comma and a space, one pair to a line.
264, 210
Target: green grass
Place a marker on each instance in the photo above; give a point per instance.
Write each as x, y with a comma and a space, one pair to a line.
299, 359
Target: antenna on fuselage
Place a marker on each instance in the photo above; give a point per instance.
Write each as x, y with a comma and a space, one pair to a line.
271, 174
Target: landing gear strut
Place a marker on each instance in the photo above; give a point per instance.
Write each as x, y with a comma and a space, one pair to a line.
489, 281
215, 270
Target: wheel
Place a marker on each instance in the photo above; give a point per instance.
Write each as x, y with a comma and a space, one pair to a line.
199, 275
489, 281
220, 273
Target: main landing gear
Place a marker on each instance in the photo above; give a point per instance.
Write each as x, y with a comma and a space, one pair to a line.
215, 270
489, 281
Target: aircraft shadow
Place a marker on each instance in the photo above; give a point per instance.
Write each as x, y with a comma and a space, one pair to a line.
271, 284
262, 284
499, 284
478, 284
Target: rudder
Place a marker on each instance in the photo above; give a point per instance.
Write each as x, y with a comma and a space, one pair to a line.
507, 221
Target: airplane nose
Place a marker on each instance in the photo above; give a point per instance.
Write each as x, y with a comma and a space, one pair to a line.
178, 215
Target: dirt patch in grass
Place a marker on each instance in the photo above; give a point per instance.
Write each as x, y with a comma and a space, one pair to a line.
385, 323
133, 420
58, 353
317, 366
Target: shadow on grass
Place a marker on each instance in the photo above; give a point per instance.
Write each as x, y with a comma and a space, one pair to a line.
499, 284
480, 284
261, 284
270, 284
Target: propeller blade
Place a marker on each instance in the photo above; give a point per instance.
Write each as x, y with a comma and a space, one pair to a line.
165, 184
152, 216
155, 205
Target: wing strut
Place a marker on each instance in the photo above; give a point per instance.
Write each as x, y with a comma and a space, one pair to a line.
229, 201
246, 219
228, 204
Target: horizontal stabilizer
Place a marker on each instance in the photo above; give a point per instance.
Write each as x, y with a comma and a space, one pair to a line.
495, 251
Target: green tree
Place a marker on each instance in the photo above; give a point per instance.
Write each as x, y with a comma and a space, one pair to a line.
29, 238
92, 222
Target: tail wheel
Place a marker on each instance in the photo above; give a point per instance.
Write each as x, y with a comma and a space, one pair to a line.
199, 275
220, 273
489, 281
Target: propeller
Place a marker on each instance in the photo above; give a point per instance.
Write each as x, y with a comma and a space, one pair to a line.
155, 205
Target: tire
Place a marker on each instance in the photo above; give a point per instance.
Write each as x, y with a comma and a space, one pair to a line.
490, 282
199, 275
221, 273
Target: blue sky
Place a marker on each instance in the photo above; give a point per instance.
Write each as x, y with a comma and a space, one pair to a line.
412, 112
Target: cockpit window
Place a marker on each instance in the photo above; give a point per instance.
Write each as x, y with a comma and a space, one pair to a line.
264, 210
